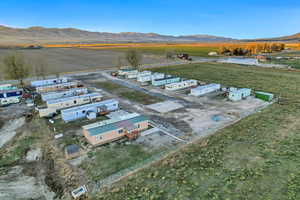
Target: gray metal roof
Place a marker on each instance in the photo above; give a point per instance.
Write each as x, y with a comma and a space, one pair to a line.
73, 98
101, 103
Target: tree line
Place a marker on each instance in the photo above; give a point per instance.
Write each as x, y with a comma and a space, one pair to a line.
251, 49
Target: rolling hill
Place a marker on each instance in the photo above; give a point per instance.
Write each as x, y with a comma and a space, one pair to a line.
31, 35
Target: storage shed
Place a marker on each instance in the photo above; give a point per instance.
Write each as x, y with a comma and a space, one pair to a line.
59, 87
181, 85
205, 89
165, 81
264, 96
53, 81
61, 94
113, 129
80, 112
239, 94
72, 151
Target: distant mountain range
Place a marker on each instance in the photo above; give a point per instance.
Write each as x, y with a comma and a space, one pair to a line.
40, 35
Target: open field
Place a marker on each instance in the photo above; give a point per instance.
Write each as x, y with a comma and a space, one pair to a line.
256, 158
74, 59
193, 49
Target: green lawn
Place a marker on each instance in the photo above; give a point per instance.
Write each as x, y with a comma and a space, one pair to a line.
127, 93
111, 159
257, 158
293, 63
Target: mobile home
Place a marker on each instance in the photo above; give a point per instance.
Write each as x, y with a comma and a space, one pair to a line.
59, 87
205, 89
144, 76
149, 77
57, 104
7, 87
132, 74
83, 111
11, 93
53, 81
61, 94
116, 128
239, 94
124, 72
9, 100
181, 85
165, 81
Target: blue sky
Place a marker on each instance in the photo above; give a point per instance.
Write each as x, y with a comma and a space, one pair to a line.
237, 19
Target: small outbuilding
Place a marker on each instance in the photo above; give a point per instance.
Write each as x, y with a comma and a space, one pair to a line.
264, 96
72, 151
213, 53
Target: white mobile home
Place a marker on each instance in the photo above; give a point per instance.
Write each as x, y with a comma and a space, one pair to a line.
205, 89
53, 81
239, 94
57, 104
59, 87
9, 100
7, 87
124, 72
80, 112
61, 94
132, 74
149, 77
181, 85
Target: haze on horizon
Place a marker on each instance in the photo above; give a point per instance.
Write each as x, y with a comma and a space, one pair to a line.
241, 20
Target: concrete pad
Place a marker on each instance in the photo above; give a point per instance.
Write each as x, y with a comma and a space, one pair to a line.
165, 106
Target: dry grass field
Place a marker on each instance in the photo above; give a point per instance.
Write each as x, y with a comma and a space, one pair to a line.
74, 59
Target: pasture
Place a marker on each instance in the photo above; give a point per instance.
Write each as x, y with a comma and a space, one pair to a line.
256, 158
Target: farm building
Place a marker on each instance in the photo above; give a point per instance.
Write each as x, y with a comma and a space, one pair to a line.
59, 87
264, 96
83, 111
239, 94
205, 89
10, 96
57, 104
181, 85
61, 94
124, 72
7, 87
128, 125
165, 81
53, 81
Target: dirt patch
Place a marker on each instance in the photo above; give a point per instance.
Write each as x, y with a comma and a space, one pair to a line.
16, 185
9, 130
